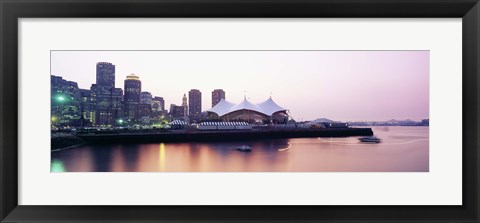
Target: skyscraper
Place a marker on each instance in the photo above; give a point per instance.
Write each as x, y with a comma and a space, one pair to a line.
117, 103
105, 74
88, 113
158, 104
106, 98
194, 103
133, 89
217, 95
145, 106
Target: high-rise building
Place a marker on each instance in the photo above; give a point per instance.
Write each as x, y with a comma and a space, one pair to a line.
146, 98
217, 95
194, 103
145, 106
158, 104
117, 104
158, 108
177, 112
65, 102
133, 89
107, 99
107, 103
105, 74
88, 113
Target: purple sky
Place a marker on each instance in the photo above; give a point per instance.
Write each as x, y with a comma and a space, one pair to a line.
340, 85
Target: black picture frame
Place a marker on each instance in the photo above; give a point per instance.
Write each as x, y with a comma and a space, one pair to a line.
12, 10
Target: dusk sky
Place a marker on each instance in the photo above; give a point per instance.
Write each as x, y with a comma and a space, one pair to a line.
339, 85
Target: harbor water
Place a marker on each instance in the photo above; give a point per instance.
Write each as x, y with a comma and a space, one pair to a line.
402, 149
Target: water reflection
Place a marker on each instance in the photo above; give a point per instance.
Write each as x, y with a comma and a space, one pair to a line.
57, 166
402, 149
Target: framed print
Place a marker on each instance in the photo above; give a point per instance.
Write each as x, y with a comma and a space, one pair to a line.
266, 111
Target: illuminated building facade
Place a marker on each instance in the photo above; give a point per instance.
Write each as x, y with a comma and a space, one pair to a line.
107, 99
194, 103
158, 104
65, 102
145, 106
131, 99
88, 113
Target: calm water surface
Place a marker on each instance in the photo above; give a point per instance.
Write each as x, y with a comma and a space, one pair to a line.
402, 149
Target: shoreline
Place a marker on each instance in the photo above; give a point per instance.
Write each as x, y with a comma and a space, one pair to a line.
68, 147
216, 136
65, 142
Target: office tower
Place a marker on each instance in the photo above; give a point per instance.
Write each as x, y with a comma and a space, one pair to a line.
146, 98
65, 102
158, 104
131, 99
107, 103
88, 113
106, 98
117, 104
217, 95
105, 74
194, 103
145, 106
177, 112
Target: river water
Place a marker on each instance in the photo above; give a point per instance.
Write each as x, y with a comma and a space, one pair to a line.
403, 149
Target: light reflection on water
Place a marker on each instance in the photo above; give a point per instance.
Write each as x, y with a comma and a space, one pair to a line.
403, 149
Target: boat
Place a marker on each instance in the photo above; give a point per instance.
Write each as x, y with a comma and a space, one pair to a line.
244, 148
370, 139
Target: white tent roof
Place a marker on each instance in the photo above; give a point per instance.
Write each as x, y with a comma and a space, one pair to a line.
222, 107
246, 105
269, 107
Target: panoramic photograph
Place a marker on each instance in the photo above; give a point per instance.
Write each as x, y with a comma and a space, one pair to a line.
239, 111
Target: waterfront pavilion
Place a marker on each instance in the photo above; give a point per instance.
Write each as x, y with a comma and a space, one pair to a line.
266, 112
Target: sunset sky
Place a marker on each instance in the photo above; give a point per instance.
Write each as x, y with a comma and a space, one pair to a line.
339, 85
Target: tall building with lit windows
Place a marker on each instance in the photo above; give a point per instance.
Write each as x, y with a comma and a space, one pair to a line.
158, 104
88, 113
145, 106
65, 102
194, 103
107, 99
105, 74
133, 90
217, 95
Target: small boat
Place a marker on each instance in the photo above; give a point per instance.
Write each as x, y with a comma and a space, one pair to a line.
244, 148
370, 139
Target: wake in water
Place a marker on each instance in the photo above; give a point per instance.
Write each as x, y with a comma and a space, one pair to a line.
361, 144
285, 149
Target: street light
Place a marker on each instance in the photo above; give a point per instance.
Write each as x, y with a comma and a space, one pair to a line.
61, 99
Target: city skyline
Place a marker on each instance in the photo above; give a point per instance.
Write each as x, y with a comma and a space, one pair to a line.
311, 84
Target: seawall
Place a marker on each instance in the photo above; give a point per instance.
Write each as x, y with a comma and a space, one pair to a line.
212, 136
64, 142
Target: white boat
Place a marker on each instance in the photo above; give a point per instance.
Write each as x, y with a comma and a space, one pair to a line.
244, 148
370, 139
